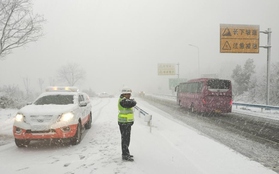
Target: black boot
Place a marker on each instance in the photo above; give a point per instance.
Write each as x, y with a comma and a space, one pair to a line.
127, 158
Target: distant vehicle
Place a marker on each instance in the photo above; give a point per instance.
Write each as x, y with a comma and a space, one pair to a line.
59, 113
105, 95
141, 94
205, 95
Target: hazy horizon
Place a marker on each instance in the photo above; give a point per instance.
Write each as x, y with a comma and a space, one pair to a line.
120, 43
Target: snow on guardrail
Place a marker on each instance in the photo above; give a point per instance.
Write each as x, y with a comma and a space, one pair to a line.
147, 117
262, 107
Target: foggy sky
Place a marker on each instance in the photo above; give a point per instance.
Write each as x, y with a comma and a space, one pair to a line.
121, 42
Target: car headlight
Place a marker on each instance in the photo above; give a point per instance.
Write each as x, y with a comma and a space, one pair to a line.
66, 116
19, 117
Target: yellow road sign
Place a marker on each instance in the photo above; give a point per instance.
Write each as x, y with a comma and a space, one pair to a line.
239, 38
166, 69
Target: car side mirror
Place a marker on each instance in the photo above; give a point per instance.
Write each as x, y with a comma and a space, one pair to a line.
83, 103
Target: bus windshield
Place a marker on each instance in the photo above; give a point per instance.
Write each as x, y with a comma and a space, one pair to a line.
215, 85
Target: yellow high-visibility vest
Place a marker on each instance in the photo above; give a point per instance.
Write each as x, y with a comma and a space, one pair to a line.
125, 115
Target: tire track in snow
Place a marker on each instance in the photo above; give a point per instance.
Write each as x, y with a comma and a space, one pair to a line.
97, 108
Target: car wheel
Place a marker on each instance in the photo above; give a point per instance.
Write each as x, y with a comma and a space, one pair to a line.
77, 138
22, 143
88, 124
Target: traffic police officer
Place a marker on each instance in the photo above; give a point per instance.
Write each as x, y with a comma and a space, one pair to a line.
125, 121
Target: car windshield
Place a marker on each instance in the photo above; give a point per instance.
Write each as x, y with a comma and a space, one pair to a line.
55, 99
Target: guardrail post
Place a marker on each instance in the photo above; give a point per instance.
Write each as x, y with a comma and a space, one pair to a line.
150, 126
149, 123
147, 117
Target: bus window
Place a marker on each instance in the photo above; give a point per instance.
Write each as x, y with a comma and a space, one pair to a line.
218, 85
199, 87
184, 87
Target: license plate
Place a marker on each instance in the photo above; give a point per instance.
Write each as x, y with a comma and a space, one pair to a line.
40, 127
218, 111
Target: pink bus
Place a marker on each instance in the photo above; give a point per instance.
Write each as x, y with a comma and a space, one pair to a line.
205, 95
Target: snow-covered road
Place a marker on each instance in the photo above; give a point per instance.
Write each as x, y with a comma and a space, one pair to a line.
171, 147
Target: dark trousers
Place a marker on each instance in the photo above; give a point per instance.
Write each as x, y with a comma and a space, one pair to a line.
125, 130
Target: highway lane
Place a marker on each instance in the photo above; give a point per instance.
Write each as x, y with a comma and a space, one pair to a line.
255, 137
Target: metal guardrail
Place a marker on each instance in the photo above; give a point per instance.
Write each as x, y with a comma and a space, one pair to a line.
266, 107
147, 117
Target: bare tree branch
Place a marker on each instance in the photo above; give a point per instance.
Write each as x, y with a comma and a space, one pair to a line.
17, 25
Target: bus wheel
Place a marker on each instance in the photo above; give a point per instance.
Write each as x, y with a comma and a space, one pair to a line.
179, 103
192, 108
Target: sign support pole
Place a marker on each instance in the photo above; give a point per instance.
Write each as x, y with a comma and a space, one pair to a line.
268, 47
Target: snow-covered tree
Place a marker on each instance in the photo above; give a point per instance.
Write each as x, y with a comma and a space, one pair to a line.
242, 76
71, 74
11, 97
257, 88
247, 71
18, 26
237, 80
274, 84
261, 87
252, 93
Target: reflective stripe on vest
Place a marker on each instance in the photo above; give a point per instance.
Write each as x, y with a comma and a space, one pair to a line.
126, 111
125, 114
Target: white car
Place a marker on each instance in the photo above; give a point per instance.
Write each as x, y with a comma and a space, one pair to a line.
59, 113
